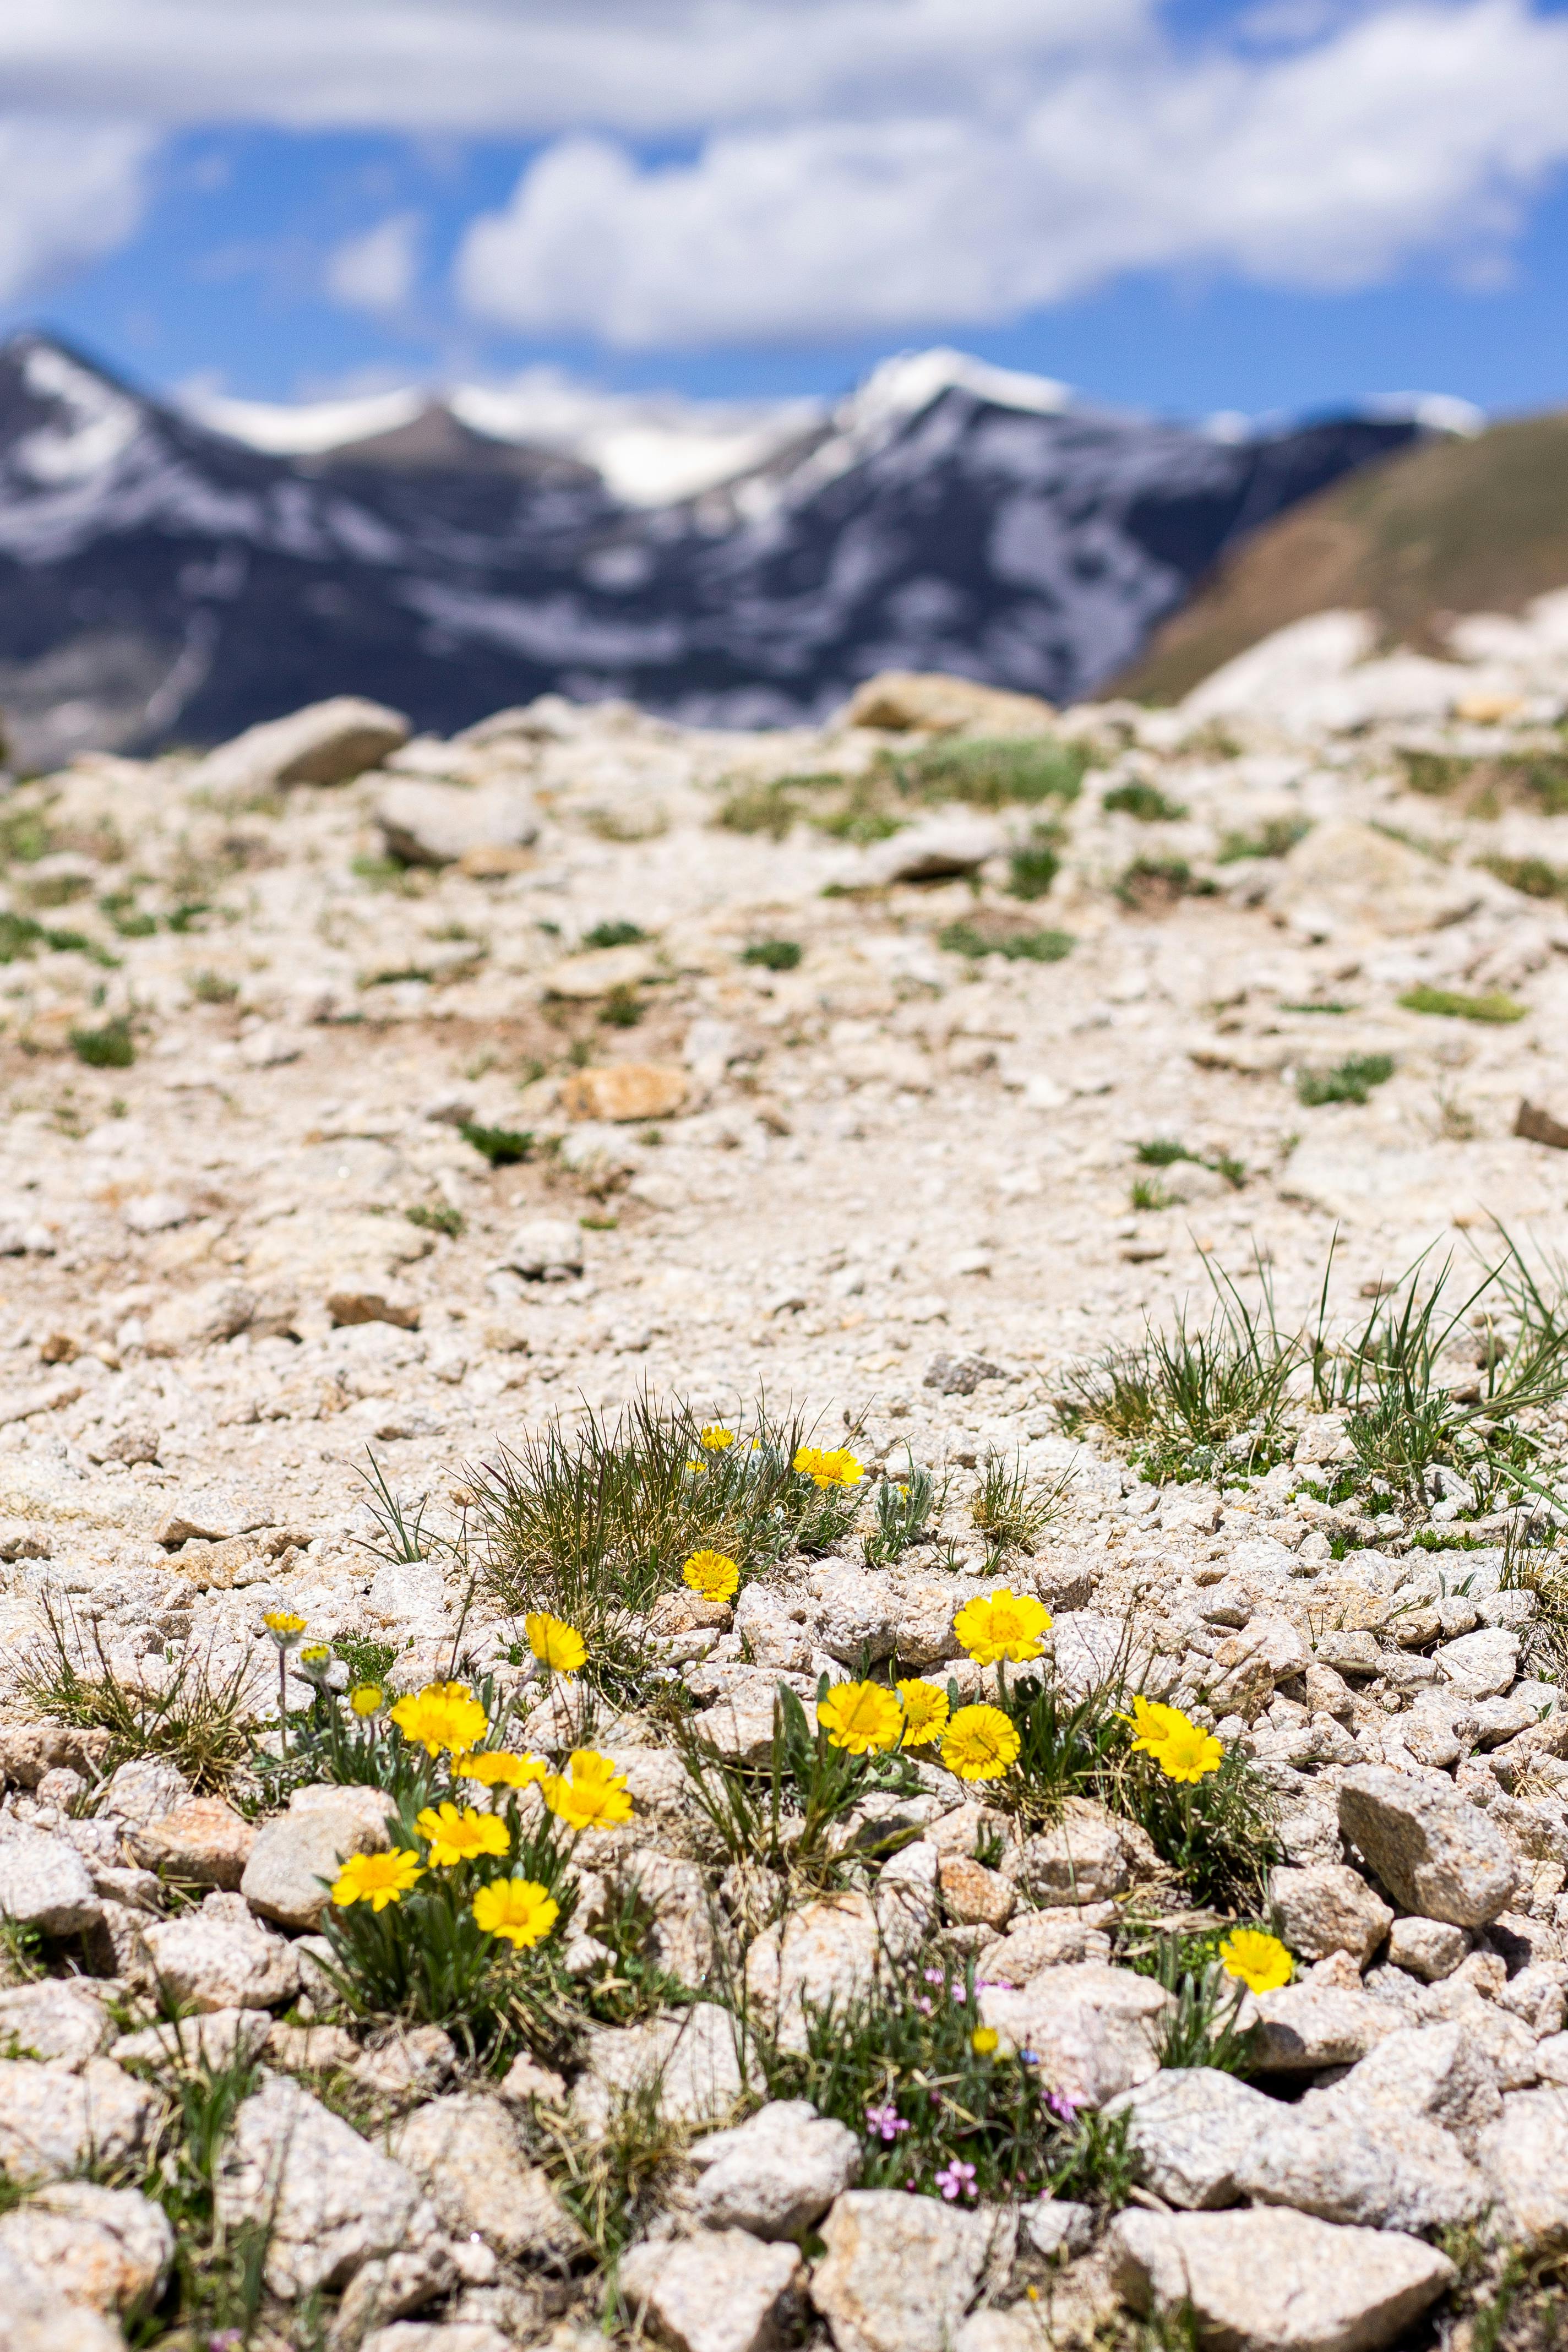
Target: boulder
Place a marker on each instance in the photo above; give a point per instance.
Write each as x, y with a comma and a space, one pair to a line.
38, 2317
582, 979
1428, 1948
692, 2059
326, 2200
1093, 2030
776, 2174
44, 1883
326, 743
294, 1858
211, 1959
53, 2123
1328, 1908
1188, 2128
899, 700
58, 2018
1344, 876
545, 1247
442, 825
465, 2152
1308, 2025
1083, 1858
941, 846
717, 2291
830, 1951
203, 1840
899, 2271
1436, 1851
1442, 2073
106, 2249
624, 1091
1269, 2281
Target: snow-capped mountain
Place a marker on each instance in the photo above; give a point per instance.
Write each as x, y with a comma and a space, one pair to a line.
165, 576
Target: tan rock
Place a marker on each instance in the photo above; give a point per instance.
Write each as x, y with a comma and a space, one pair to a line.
204, 1840
294, 1857
974, 1896
1345, 876
580, 979
625, 1091
326, 743
898, 699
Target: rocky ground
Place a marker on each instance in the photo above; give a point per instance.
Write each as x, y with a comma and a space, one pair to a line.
374, 1104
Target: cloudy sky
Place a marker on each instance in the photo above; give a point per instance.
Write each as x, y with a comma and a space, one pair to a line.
1188, 204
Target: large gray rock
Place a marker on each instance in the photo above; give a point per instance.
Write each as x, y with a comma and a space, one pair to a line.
465, 2154
831, 1951
108, 2249
1081, 1858
950, 844
859, 1616
719, 2291
1095, 2031
692, 2059
1328, 1908
1483, 1664
1344, 878
776, 2174
1375, 2167
899, 2271
1524, 2154
53, 2123
1276, 2281
438, 825
1441, 2073
295, 1858
326, 743
44, 1883
144, 1789
327, 2200
1308, 2025
58, 2018
1428, 1948
1436, 1851
212, 1959
1189, 2127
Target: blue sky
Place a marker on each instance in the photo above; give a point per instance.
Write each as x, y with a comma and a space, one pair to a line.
1182, 207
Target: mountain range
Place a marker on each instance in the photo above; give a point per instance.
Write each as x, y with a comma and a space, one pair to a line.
170, 576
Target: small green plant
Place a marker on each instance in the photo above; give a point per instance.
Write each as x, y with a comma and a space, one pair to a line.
1218, 1834
21, 936
990, 772
1032, 947
1350, 1081
1274, 838
904, 1508
190, 1711
1009, 1508
212, 988
937, 2104
367, 1659
623, 1008
1032, 867
783, 1815
1147, 1193
1534, 876
437, 1217
1149, 885
218, 2289
1067, 1746
1202, 2028
1163, 1151
503, 1146
1453, 1002
1144, 803
774, 955
1327, 1005
110, 1047
615, 935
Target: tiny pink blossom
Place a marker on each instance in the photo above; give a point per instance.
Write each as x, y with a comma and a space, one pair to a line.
884, 2122
957, 2179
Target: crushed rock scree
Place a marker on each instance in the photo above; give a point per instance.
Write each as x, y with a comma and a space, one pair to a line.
419, 1149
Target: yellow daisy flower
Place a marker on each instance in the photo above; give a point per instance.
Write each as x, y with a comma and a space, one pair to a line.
518, 1909
500, 1769
367, 1699
1002, 1624
1187, 1752
860, 1717
980, 1744
555, 1644
717, 1440
590, 1794
284, 1626
1260, 1962
378, 1879
830, 1467
925, 1713
442, 1718
1152, 1724
454, 1836
984, 2041
712, 1574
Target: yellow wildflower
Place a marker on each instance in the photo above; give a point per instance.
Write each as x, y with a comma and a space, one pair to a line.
500, 1769
442, 1718
284, 1626
518, 1909
830, 1467
984, 2041
980, 1744
860, 1717
378, 1879
1185, 1751
717, 1440
367, 1699
1002, 1624
558, 1645
454, 1836
713, 1574
925, 1713
1152, 1724
1260, 1962
590, 1794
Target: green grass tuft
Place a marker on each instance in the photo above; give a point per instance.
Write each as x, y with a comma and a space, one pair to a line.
615, 935
774, 955
1493, 1007
1143, 802
1350, 1081
503, 1146
110, 1047
1031, 946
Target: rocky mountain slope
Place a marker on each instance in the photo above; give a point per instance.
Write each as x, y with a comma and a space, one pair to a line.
1461, 525
164, 583
932, 1247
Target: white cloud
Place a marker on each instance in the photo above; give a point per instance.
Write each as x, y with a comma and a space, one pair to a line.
1419, 129
69, 192
377, 271
535, 65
